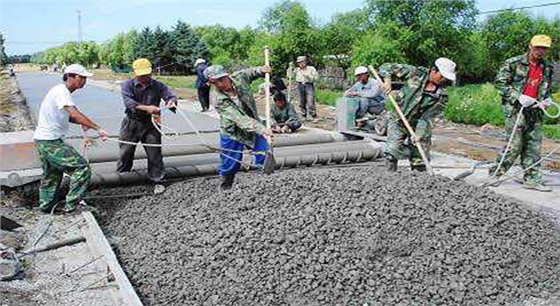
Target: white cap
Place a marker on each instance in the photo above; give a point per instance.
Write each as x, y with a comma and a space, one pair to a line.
446, 67
77, 69
301, 59
360, 70
199, 61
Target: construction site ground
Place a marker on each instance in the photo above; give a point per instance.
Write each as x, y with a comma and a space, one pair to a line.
45, 282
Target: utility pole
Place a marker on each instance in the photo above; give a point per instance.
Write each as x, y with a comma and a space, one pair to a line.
79, 26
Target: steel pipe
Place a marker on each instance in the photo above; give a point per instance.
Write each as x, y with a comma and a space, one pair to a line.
109, 151
351, 152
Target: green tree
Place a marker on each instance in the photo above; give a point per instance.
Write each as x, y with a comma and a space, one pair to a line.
145, 45
163, 57
341, 32
426, 29
294, 34
374, 49
507, 34
3, 57
187, 47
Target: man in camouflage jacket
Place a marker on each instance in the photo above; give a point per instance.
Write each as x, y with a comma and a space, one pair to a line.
422, 98
240, 126
528, 77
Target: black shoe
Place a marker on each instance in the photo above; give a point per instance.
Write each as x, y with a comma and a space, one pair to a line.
227, 181
392, 165
419, 168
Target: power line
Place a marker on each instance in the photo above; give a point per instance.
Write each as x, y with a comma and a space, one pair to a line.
520, 8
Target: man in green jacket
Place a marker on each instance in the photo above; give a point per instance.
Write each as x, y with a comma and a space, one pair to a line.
284, 116
525, 81
240, 126
422, 98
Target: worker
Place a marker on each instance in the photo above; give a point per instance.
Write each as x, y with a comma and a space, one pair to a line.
57, 157
202, 87
306, 76
525, 81
240, 126
422, 98
141, 96
370, 93
284, 116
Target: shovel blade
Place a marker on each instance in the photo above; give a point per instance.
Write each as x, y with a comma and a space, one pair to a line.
269, 163
7, 224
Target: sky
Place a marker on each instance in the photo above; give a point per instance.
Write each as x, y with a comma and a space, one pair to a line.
30, 26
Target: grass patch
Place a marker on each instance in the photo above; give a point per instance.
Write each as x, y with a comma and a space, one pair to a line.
327, 96
551, 131
177, 81
475, 104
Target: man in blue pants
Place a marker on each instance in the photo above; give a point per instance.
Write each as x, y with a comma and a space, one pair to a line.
240, 126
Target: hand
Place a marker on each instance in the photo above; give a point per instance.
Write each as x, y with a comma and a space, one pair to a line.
85, 128
172, 106
267, 134
266, 69
387, 87
351, 94
152, 109
285, 129
415, 139
526, 101
103, 135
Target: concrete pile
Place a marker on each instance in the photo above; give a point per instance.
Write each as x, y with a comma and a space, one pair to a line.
346, 236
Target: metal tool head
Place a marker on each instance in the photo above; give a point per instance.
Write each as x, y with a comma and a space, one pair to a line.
269, 163
7, 224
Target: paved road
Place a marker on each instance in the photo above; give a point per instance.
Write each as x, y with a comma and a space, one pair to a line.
102, 105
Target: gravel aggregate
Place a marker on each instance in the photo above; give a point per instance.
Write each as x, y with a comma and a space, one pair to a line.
323, 236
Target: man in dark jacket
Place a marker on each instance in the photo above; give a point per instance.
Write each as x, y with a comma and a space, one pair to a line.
141, 96
202, 86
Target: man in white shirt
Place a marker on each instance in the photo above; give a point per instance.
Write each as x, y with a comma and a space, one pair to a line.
306, 76
57, 157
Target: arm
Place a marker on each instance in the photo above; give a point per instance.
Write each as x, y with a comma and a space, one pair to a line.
250, 74
313, 74
388, 71
351, 91
504, 83
372, 92
243, 121
77, 117
168, 96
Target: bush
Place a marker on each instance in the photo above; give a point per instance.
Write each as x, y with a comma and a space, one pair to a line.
475, 104
551, 131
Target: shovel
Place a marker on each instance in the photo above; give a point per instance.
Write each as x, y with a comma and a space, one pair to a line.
269, 161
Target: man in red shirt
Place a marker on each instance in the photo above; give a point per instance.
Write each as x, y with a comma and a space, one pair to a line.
525, 83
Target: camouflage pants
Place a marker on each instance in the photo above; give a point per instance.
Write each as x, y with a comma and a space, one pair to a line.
526, 143
58, 158
397, 134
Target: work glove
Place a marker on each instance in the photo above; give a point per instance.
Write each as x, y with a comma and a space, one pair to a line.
286, 129
526, 101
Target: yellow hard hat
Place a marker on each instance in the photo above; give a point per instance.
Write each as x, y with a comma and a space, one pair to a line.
541, 41
142, 66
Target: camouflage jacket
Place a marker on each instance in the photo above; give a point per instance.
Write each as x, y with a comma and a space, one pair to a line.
411, 97
285, 115
238, 114
512, 76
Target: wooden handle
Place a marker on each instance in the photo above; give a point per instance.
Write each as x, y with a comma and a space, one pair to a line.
406, 124
267, 86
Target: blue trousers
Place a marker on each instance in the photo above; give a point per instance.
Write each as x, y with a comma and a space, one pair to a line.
230, 164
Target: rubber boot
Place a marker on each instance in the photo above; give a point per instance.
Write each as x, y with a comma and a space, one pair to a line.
227, 181
392, 164
419, 168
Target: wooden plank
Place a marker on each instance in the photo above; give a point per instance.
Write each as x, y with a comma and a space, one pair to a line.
101, 246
